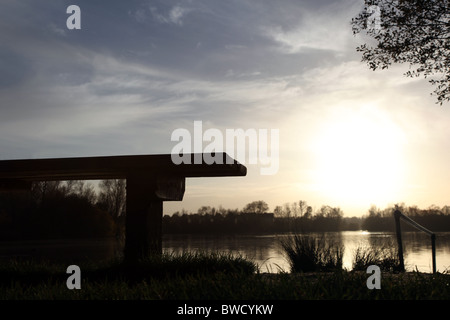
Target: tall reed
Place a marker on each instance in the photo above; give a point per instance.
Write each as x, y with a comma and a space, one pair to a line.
308, 253
382, 254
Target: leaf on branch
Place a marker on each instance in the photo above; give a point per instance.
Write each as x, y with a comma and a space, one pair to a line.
411, 31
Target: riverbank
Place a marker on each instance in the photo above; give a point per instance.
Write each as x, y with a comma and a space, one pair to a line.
263, 250
219, 277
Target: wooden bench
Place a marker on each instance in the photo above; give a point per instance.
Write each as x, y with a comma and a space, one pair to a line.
150, 180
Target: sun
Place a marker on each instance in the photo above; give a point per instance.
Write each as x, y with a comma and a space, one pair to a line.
359, 157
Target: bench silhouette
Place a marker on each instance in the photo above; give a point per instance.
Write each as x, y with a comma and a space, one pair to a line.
150, 180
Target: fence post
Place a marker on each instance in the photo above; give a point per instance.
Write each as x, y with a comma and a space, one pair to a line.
397, 216
433, 251
399, 240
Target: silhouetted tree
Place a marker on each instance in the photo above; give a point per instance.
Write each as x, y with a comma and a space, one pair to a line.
374, 211
82, 189
256, 207
41, 190
308, 212
113, 196
287, 212
206, 210
408, 31
71, 215
55, 209
302, 208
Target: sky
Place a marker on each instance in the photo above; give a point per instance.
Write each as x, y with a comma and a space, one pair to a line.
138, 70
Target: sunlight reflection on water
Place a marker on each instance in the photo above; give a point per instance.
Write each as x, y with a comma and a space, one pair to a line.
265, 250
268, 254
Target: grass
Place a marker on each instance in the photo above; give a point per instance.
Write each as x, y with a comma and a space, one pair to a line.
207, 276
384, 256
307, 253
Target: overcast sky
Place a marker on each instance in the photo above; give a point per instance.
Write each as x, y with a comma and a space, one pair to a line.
137, 70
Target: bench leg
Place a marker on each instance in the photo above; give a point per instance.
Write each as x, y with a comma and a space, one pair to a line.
145, 196
143, 220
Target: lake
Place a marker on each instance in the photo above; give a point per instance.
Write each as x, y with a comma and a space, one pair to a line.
265, 250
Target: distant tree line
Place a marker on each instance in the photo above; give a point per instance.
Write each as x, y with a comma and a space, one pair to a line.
63, 209
300, 217
433, 218
75, 209
255, 218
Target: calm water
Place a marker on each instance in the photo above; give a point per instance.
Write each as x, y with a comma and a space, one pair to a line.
265, 250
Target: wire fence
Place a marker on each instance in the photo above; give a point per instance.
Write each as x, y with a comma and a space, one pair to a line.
398, 216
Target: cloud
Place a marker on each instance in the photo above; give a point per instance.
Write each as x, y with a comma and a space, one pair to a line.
140, 69
57, 30
83, 98
174, 15
317, 28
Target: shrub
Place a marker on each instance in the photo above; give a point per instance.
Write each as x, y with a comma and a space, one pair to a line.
307, 253
384, 256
